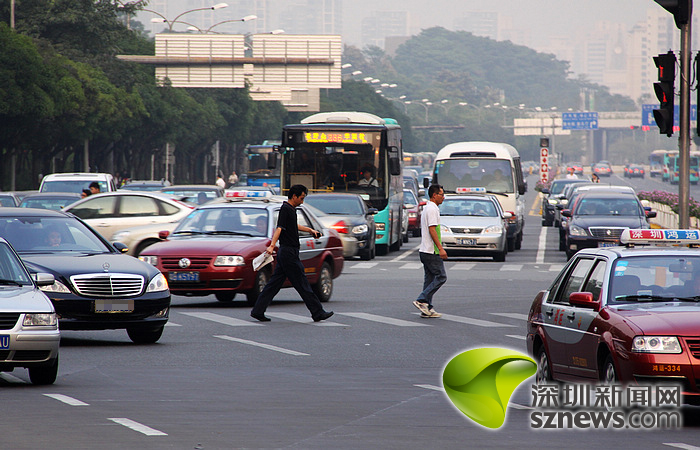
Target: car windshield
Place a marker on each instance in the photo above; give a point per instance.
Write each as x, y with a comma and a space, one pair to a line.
195, 196
336, 205
465, 207
608, 207
11, 270
225, 221
409, 198
71, 186
50, 235
55, 203
655, 278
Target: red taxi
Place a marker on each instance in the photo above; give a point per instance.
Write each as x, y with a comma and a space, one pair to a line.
212, 249
627, 314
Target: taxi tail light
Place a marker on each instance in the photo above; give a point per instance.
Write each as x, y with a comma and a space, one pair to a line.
341, 227
513, 218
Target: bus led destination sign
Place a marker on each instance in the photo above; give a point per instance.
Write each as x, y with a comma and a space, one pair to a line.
339, 137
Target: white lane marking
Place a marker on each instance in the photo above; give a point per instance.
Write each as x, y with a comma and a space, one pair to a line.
171, 324
429, 386
518, 316
11, 378
382, 319
522, 338
463, 266
556, 267
477, 322
260, 344
405, 254
303, 319
511, 267
539, 259
363, 265
67, 400
681, 445
218, 318
148, 431
412, 266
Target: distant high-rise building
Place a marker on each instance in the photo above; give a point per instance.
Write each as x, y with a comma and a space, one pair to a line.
311, 16
479, 23
381, 24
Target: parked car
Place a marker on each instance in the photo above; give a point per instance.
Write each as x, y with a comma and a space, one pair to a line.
49, 200
634, 170
474, 224
146, 185
96, 287
412, 207
599, 218
76, 182
8, 199
29, 335
194, 193
624, 315
114, 211
211, 251
351, 218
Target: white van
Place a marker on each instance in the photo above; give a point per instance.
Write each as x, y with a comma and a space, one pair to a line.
76, 182
490, 165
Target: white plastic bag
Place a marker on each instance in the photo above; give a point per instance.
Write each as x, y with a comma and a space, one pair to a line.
261, 261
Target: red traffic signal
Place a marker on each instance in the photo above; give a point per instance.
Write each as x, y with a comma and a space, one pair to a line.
666, 62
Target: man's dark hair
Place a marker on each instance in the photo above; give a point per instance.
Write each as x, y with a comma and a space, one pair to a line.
434, 189
95, 185
297, 190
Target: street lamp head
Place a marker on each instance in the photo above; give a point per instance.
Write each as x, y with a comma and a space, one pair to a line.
277, 31
357, 72
346, 66
375, 81
425, 100
463, 103
402, 97
443, 101
429, 103
408, 102
368, 78
158, 20
392, 85
250, 17
378, 91
220, 6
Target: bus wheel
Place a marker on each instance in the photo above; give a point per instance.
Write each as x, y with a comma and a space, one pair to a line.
519, 240
511, 244
396, 245
382, 249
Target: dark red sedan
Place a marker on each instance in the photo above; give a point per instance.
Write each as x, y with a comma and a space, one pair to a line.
623, 314
211, 250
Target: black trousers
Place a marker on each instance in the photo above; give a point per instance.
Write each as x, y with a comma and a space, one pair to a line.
288, 266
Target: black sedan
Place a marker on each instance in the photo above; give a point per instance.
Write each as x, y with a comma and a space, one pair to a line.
96, 287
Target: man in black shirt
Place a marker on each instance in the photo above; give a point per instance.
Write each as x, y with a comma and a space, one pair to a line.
288, 263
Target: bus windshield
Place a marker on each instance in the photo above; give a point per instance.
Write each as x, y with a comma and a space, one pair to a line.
493, 174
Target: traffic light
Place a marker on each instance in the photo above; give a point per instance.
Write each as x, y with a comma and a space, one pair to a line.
681, 10
666, 62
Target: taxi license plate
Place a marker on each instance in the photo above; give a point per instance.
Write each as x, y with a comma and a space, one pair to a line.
607, 244
114, 306
466, 241
183, 276
4, 341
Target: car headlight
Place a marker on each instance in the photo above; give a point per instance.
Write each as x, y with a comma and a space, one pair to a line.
445, 229
39, 320
158, 284
57, 287
493, 229
656, 344
412, 214
575, 230
229, 261
553, 201
152, 260
360, 229
119, 236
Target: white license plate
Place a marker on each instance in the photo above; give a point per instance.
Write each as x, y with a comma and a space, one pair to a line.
114, 306
183, 276
466, 241
607, 244
4, 341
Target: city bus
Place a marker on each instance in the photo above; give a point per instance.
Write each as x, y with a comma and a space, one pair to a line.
490, 166
674, 167
668, 159
656, 162
257, 165
329, 152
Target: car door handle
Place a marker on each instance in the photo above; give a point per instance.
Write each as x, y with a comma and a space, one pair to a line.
549, 312
571, 316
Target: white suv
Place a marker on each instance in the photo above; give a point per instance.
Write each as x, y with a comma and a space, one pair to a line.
76, 182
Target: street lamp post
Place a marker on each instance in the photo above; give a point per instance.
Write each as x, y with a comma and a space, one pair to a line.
171, 23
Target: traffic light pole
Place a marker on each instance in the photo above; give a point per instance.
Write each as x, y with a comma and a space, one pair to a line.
684, 139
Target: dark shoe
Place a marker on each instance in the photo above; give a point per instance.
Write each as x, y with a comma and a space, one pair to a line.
323, 316
260, 317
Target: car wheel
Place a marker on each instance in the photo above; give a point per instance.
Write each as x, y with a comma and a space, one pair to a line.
511, 244
324, 286
374, 250
500, 257
44, 374
519, 241
145, 335
544, 371
405, 237
225, 296
261, 279
562, 245
608, 375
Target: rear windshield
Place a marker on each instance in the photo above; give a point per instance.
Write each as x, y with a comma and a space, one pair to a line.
71, 185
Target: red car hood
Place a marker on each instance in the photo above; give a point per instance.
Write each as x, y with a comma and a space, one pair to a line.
210, 245
663, 318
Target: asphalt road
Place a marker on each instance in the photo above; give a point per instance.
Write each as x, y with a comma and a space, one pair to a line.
370, 377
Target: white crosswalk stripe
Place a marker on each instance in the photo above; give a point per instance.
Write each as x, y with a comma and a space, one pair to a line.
412, 266
225, 320
512, 267
462, 266
518, 316
363, 265
302, 319
383, 319
556, 267
470, 321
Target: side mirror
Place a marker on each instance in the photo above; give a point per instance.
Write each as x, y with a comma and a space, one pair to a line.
584, 300
650, 214
426, 183
272, 160
162, 235
545, 191
394, 165
43, 279
421, 192
566, 213
121, 247
372, 211
422, 203
507, 215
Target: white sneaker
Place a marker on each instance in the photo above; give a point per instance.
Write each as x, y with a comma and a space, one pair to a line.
423, 307
432, 314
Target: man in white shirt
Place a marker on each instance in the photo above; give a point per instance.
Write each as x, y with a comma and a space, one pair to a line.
571, 175
431, 253
220, 182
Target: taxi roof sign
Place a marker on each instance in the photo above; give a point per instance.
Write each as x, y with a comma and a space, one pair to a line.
470, 190
660, 237
244, 193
